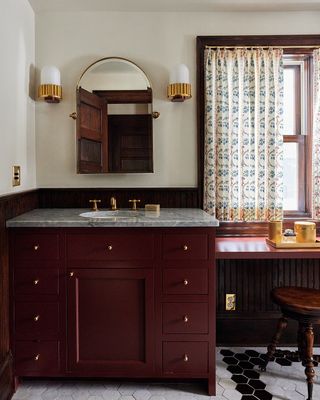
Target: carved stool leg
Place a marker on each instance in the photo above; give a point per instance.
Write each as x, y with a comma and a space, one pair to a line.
302, 343
309, 371
282, 324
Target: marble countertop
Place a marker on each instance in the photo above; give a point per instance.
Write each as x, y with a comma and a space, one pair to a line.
70, 217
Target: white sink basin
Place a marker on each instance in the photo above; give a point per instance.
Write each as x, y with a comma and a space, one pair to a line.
118, 214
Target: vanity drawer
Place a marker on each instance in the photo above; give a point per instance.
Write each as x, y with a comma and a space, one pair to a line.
110, 247
36, 281
185, 281
36, 246
185, 247
185, 357
185, 318
36, 320
35, 358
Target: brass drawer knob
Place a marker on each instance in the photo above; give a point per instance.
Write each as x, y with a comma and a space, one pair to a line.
36, 318
36, 358
185, 358
185, 247
185, 282
36, 282
36, 247
185, 319
109, 247
71, 273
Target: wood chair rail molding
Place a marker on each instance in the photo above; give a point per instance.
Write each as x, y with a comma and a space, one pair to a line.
298, 44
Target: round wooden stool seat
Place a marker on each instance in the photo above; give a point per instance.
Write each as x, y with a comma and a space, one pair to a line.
298, 300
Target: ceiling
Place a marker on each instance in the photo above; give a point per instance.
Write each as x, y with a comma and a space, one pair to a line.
174, 5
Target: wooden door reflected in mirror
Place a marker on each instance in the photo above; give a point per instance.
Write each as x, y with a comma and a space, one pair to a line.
114, 119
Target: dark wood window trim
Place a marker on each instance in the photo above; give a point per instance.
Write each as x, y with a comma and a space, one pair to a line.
285, 41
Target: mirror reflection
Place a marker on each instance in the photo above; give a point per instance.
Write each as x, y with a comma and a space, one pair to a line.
114, 118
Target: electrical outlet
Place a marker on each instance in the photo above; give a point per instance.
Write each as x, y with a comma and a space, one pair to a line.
230, 302
16, 175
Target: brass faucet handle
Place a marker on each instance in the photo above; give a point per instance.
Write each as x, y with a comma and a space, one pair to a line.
134, 203
95, 206
113, 203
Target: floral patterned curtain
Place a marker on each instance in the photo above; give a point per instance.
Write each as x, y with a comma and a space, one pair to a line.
243, 134
316, 136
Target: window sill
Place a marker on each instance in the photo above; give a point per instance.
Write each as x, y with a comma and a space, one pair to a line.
255, 229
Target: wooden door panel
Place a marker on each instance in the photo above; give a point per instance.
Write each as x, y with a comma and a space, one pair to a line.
110, 315
92, 133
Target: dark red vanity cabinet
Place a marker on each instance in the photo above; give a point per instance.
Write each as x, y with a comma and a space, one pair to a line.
114, 302
110, 321
37, 302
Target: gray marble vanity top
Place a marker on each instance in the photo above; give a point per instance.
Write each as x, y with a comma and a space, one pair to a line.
70, 217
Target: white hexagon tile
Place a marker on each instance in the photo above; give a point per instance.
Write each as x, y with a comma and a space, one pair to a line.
238, 378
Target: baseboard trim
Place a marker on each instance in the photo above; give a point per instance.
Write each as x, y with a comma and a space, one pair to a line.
6, 378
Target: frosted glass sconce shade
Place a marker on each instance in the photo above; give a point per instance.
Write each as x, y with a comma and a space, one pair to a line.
179, 88
50, 85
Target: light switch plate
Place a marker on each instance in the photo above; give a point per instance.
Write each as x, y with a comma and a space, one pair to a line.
230, 302
16, 175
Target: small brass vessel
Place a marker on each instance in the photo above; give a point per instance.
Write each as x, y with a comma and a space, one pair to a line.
305, 231
275, 231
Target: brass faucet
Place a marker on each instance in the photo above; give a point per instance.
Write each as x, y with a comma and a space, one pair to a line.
113, 203
95, 206
134, 204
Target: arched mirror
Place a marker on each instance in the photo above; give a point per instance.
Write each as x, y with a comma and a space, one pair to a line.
114, 118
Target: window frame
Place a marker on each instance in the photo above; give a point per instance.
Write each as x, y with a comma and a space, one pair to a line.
303, 129
295, 45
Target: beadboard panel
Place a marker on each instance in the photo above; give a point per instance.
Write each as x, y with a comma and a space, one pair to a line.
254, 320
10, 206
73, 198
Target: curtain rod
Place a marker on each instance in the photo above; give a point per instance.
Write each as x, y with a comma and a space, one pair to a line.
316, 46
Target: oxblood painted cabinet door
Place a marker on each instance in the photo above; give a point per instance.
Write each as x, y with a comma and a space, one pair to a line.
110, 322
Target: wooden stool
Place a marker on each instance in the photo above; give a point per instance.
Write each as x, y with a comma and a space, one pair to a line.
303, 305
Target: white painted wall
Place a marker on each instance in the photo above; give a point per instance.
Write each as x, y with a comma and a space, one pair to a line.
156, 42
17, 110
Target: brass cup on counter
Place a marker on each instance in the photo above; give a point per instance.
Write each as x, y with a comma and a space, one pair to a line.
275, 231
305, 231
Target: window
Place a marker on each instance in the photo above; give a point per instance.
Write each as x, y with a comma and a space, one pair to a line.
298, 62
297, 133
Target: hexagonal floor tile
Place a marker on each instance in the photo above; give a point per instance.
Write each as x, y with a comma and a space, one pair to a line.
244, 388
246, 365
239, 379
251, 374
263, 395
230, 360
235, 369
241, 357
257, 384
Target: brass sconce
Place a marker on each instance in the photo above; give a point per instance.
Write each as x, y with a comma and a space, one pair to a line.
179, 88
50, 88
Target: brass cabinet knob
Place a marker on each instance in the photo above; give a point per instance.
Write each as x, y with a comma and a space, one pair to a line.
109, 247
36, 282
71, 273
185, 358
36, 318
185, 282
36, 358
185, 319
36, 247
185, 247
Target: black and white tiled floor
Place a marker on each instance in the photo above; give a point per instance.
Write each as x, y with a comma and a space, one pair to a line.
238, 378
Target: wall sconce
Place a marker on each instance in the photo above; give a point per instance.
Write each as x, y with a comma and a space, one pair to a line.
50, 88
179, 88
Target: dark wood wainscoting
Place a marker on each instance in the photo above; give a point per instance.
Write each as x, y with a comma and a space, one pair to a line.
10, 206
79, 197
254, 321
